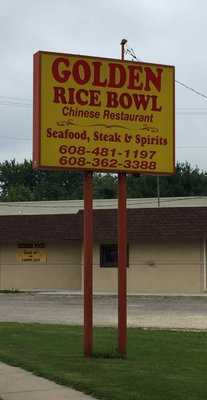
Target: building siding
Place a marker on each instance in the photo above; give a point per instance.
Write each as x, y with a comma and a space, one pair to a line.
61, 271
155, 268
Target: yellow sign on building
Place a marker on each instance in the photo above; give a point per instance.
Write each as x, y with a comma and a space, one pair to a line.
32, 256
101, 114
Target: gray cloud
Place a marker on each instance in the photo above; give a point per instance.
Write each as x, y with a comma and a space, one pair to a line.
168, 32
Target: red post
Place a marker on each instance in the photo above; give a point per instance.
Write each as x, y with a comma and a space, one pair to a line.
122, 255
88, 264
122, 262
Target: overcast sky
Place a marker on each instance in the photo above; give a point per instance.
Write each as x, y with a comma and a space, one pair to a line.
162, 31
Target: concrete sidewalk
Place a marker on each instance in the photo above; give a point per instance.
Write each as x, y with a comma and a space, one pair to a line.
17, 384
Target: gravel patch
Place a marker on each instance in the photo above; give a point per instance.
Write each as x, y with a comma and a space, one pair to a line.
177, 312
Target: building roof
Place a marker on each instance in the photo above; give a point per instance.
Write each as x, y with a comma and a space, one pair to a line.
73, 206
143, 224
153, 223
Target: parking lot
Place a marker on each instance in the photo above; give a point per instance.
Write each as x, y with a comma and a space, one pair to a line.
177, 312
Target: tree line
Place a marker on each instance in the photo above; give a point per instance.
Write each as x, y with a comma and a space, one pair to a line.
19, 182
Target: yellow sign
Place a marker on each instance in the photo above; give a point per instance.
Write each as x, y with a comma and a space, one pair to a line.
101, 114
32, 256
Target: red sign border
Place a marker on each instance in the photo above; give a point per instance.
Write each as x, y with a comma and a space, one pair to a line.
37, 118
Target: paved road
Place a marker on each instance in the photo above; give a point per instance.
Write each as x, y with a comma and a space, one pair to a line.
143, 311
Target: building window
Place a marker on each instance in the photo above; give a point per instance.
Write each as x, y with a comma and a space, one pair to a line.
109, 255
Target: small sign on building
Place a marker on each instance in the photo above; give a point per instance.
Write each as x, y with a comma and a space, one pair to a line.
31, 256
31, 253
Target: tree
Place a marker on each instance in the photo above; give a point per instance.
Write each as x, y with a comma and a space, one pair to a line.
187, 181
104, 186
19, 182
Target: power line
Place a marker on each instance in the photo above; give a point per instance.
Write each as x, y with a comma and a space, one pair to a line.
192, 89
16, 98
30, 139
191, 111
79, 206
132, 53
191, 147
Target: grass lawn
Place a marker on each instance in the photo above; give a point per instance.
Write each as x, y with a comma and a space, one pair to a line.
161, 365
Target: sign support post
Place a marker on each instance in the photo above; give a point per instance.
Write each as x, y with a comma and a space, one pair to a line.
103, 115
88, 263
122, 255
122, 260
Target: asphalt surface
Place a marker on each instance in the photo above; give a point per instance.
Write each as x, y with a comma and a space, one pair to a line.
177, 312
